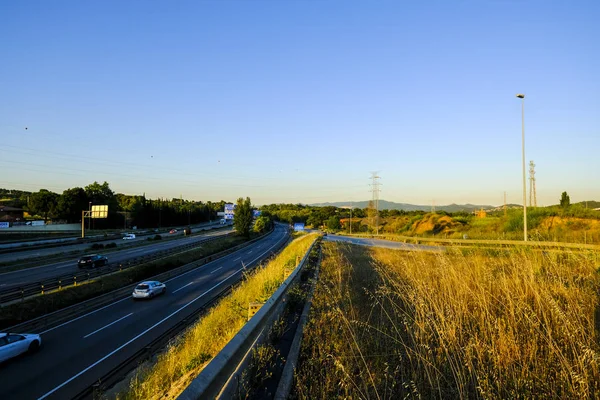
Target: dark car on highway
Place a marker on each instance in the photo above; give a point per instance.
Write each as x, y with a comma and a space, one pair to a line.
92, 261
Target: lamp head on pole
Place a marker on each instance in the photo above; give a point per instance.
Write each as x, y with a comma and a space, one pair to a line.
521, 96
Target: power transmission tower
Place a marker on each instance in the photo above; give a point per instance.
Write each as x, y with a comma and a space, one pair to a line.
532, 194
375, 191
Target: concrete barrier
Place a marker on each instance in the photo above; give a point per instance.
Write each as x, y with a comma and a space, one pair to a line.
209, 383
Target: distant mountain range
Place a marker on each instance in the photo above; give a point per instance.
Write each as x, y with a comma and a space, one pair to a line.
390, 205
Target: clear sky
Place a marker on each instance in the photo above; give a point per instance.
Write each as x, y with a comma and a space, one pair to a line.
298, 101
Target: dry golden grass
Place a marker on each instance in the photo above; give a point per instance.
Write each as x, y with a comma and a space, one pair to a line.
183, 360
395, 324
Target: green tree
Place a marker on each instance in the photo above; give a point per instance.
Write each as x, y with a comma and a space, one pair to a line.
262, 224
333, 223
71, 203
43, 203
101, 194
565, 200
242, 218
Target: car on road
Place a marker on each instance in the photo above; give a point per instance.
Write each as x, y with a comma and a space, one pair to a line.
92, 261
14, 344
129, 236
173, 231
148, 290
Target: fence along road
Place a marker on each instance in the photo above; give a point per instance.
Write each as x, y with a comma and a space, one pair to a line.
17, 293
43, 272
74, 355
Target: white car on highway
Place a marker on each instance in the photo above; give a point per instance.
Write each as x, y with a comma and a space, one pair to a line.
149, 289
14, 344
129, 236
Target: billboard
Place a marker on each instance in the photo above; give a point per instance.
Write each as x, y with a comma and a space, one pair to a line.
4, 225
99, 211
229, 211
299, 226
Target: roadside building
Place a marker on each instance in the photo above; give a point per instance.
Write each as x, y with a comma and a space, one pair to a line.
11, 214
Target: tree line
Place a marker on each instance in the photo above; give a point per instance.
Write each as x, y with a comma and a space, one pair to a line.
123, 210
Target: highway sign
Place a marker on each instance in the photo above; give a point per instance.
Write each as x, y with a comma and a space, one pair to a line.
99, 211
299, 226
229, 210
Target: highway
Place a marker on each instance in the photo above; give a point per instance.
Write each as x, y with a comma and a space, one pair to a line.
38, 274
381, 243
24, 254
77, 353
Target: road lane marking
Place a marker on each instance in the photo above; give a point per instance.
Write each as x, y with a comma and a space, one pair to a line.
249, 252
175, 291
239, 258
83, 371
216, 269
127, 298
84, 315
106, 326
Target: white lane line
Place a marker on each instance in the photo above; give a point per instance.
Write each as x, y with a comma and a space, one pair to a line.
84, 315
83, 371
127, 298
250, 252
239, 258
184, 286
64, 266
216, 270
106, 326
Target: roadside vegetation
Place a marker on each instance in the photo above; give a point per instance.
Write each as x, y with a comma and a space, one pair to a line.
188, 354
565, 222
40, 305
394, 324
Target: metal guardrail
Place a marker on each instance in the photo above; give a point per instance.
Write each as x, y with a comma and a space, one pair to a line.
41, 287
121, 370
462, 242
24, 246
211, 380
60, 316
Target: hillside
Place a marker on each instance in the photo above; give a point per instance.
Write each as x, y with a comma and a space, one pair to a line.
390, 205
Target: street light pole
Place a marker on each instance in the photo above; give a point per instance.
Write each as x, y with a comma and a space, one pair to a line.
522, 97
89, 215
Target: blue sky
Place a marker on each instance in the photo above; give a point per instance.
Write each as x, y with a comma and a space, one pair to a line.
298, 101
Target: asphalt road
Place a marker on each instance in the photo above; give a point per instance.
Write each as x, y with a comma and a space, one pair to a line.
75, 354
24, 254
38, 274
381, 243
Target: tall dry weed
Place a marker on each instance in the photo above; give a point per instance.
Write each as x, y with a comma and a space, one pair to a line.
518, 324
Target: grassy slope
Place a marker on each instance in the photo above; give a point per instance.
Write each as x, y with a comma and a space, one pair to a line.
577, 225
390, 324
184, 359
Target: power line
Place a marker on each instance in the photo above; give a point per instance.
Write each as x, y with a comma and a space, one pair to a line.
375, 191
532, 193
